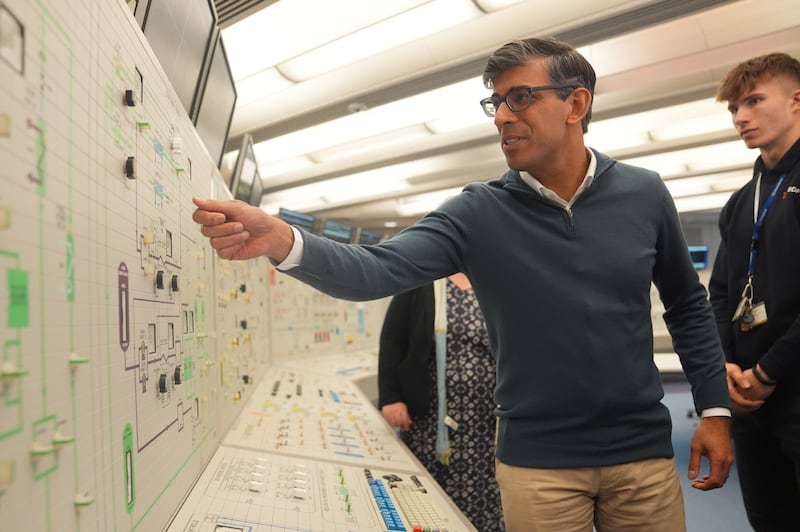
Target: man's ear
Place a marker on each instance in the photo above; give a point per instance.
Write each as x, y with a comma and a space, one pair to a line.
796, 99
580, 102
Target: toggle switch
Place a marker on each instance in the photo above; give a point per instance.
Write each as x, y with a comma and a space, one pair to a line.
160, 279
176, 378
130, 168
162, 383
129, 98
174, 283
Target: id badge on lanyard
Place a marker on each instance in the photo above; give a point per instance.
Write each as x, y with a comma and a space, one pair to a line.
749, 314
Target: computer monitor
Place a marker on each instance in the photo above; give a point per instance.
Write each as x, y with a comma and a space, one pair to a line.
302, 220
337, 231
245, 172
258, 191
180, 34
368, 237
699, 255
139, 9
217, 101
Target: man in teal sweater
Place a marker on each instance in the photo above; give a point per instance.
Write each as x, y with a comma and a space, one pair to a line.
561, 251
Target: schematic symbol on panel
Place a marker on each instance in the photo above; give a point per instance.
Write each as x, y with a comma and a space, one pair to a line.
12, 40
143, 377
128, 473
124, 315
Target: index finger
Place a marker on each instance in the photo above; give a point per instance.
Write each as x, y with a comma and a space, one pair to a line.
208, 212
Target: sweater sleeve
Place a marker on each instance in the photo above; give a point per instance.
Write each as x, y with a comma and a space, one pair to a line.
688, 314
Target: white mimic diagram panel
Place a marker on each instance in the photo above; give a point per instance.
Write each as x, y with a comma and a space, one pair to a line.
251, 491
115, 392
129, 349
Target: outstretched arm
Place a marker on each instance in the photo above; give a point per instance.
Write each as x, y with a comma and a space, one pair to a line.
239, 231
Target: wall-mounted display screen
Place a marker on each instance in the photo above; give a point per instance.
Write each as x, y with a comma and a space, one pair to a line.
368, 237
245, 173
699, 255
217, 101
337, 231
180, 34
302, 220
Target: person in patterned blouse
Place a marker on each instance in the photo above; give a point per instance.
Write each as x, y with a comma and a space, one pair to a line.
409, 396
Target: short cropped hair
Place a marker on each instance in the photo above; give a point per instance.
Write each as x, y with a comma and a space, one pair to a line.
565, 65
743, 78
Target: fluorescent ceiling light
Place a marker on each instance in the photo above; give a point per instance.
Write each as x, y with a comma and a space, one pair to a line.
702, 203
271, 35
406, 27
495, 5
706, 184
700, 159
424, 203
667, 123
260, 85
275, 168
458, 119
696, 125
390, 139
369, 123
362, 185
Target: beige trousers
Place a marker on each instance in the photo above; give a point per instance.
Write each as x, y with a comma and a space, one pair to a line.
640, 496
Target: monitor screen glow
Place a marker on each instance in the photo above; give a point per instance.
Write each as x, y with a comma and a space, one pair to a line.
337, 231
699, 255
302, 220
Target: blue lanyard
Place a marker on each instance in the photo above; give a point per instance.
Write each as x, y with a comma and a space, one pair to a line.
759, 221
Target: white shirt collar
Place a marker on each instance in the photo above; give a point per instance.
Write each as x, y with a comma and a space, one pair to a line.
545, 192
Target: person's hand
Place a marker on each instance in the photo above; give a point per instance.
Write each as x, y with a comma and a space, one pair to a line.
740, 388
240, 231
711, 439
757, 392
397, 415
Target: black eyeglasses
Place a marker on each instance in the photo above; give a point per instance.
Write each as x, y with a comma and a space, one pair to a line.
517, 99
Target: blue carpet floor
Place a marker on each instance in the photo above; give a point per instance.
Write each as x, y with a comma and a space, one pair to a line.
718, 510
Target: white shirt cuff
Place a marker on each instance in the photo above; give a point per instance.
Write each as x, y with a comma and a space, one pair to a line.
717, 411
295, 256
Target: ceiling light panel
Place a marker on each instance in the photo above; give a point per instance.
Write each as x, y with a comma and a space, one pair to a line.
427, 202
495, 5
694, 186
381, 142
706, 202
361, 185
260, 85
403, 28
380, 120
666, 123
702, 159
266, 38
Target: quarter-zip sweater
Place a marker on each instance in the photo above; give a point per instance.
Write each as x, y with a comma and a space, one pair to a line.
566, 297
776, 281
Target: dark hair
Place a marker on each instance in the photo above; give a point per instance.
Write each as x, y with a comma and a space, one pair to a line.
565, 65
743, 77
